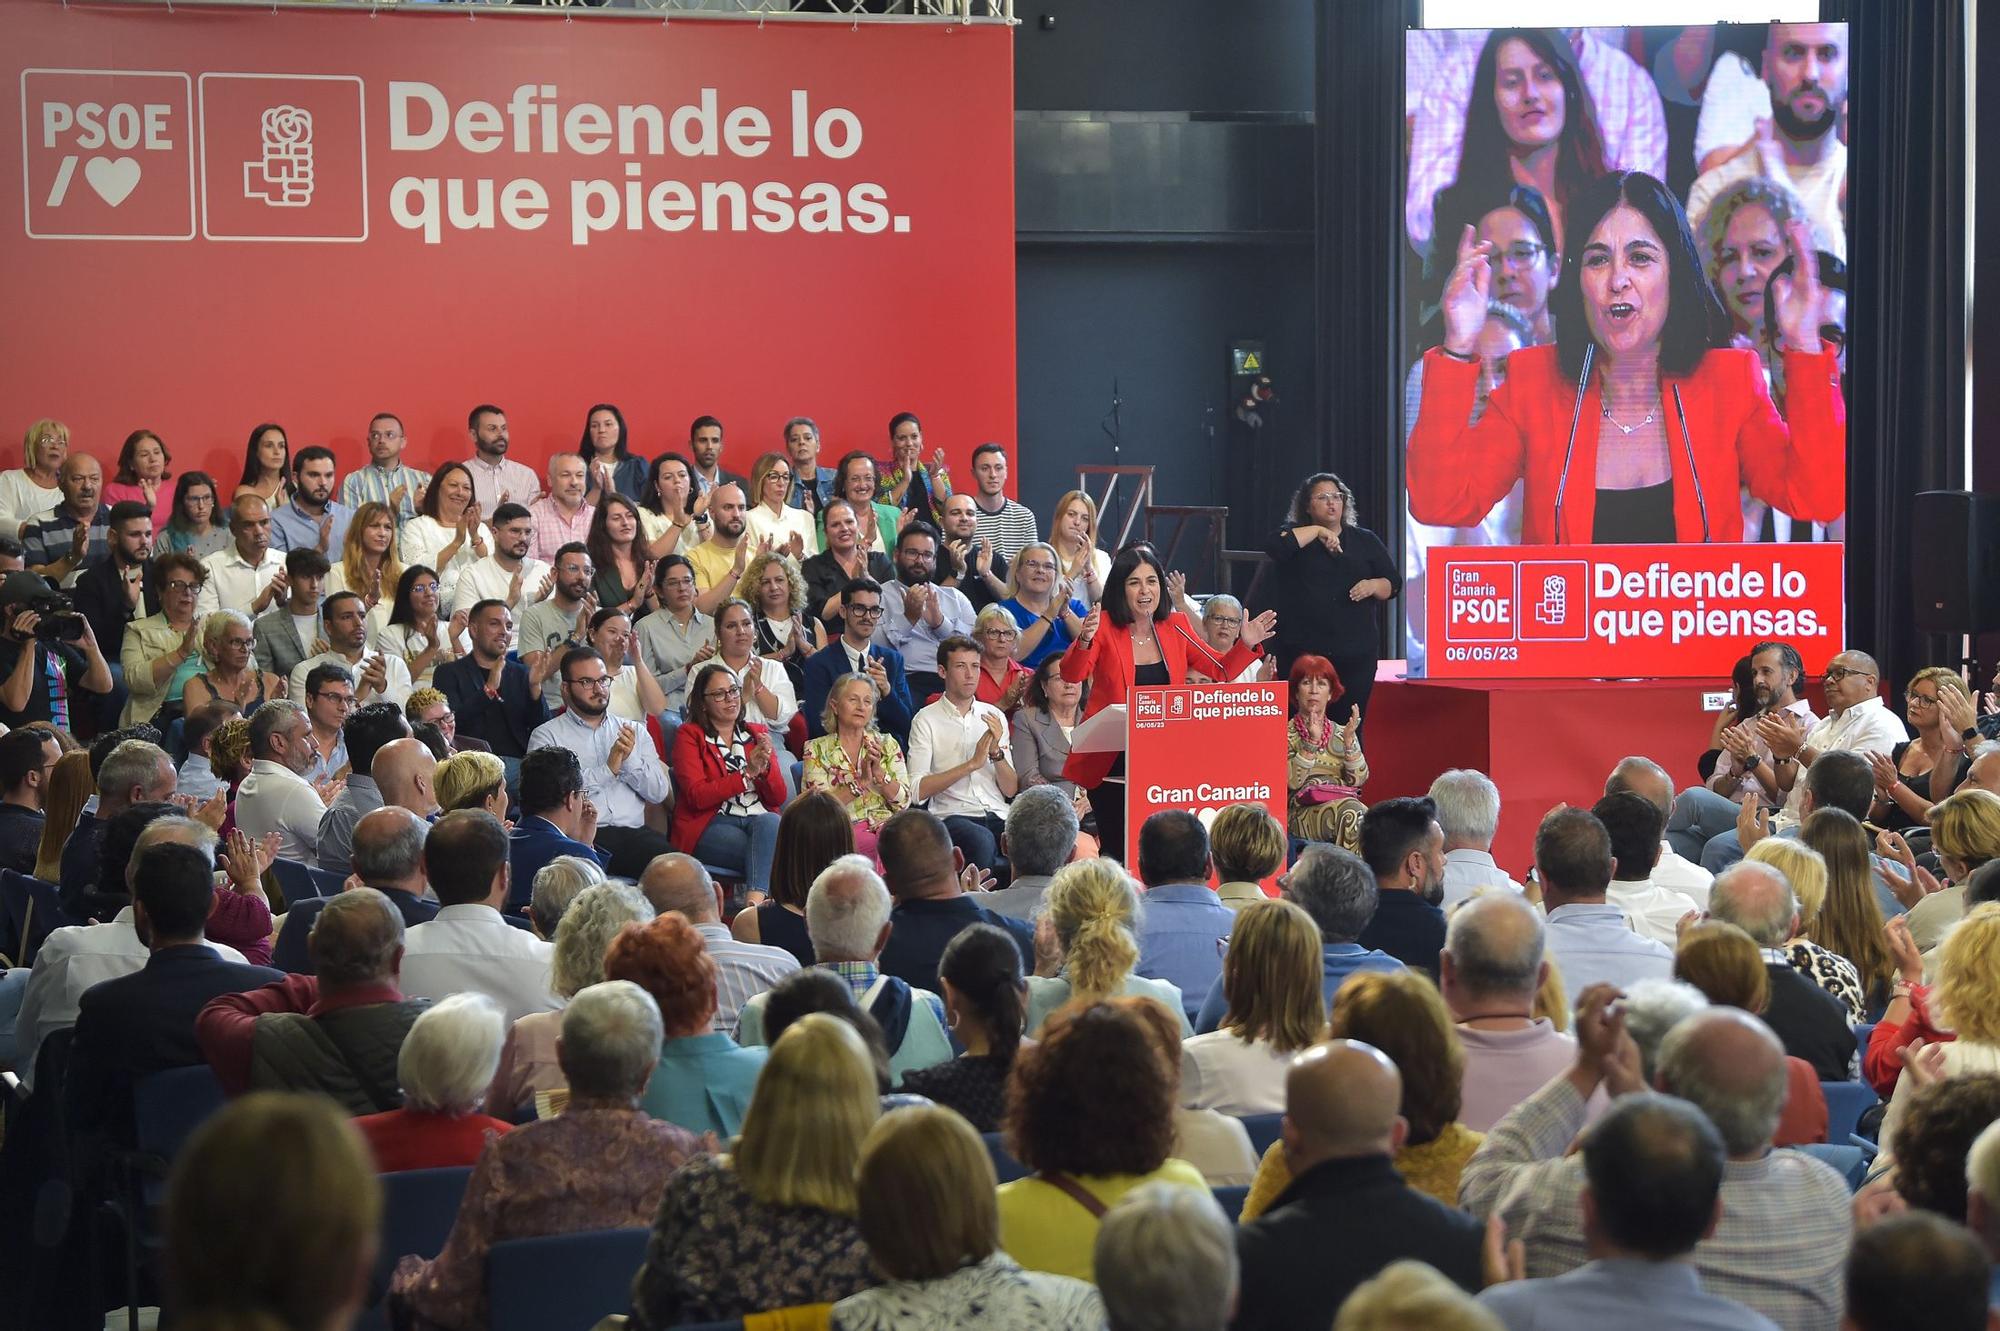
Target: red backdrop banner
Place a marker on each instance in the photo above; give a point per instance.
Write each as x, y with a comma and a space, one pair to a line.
229, 216
1631, 611
1200, 747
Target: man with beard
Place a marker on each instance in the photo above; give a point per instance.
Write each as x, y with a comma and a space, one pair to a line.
719, 561
622, 772
561, 622
496, 478
386, 479
1404, 846
1589, 939
976, 568
1745, 769
111, 591
313, 520
1805, 68
918, 614
705, 442
509, 574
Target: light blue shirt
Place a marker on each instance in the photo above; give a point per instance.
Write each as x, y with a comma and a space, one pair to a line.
621, 800
1341, 961
1630, 1294
371, 484
1180, 939
703, 1083
292, 528
1594, 943
196, 778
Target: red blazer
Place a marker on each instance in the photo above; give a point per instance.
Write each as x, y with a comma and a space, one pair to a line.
1458, 472
702, 785
1107, 664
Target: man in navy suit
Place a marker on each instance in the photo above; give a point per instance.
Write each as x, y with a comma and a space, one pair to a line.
388, 855
557, 818
855, 652
135, 1025
489, 692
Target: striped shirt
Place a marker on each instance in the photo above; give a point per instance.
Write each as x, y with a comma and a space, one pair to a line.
373, 485
1011, 529
1780, 1247
742, 971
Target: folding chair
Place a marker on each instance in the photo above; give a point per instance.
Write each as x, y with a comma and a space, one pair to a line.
596, 1279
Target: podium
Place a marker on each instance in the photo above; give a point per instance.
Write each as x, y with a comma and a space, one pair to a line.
1196, 747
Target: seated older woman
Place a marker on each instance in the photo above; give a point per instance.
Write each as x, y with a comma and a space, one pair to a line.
1965, 1004
1091, 906
772, 1224
928, 1211
473, 780
228, 671
1248, 846
856, 763
528, 1063
161, 652
1003, 681
1090, 1106
445, 1067
1728, 967
704, 1078
1272, 979
603, 1164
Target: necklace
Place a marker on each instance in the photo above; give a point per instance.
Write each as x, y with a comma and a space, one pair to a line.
1631, 429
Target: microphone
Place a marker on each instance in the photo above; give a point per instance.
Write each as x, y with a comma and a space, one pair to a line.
1569, 449
1701, 500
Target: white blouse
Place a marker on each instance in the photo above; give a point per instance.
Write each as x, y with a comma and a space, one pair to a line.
403, 641
760, 522
424, 538
1221, 1071
21, 501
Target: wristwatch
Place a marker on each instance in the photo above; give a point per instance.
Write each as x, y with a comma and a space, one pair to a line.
1750, 763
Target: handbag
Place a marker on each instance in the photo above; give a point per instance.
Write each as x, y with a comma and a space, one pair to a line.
1326, 793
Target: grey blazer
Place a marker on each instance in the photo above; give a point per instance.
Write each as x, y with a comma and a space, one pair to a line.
277, 641
1040, 749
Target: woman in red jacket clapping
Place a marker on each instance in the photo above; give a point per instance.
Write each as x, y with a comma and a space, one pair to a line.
727, 787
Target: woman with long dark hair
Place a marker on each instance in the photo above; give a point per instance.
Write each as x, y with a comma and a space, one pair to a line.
608, 457
267, 465
668, 508
813, 832
415, 630
624, 572
986, 1000
1329, 579
1641, 423
447, 532
197, 525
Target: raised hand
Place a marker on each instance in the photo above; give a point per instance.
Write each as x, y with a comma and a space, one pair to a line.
975, 879
212, 811
79, 538
191, 641
321, 646
1782, 732
1261, 627
547, 585
1887, 778
514, 586
588, 823
1090, 623
1891, 846
1798, 298
796, 546
135, 585
325, 529
396, 498
1903, 949
1466, 293
1753, 822
621, 748
329, 789
702, 653
1958, 713
459, 619
878, 675
1923, 1062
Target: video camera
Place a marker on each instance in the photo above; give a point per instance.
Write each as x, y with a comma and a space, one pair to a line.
59, 622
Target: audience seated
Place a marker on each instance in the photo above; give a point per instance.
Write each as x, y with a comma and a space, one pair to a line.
1634, 826
704, 1079
387, 855
814, 990
1344, 1213
1408, 1295
924, 1188
1805, 872
556, 887
1247, 844
1757, 899
1720, 960
1042, 835
961, 755
1848, 925
488, 690
1404, 847
472, 779
1940, 1123
986, 1000
1166, 1261
622, 772
366, 732
1491, 968
1965, 832
1184, 924
1588, 938
1982, 1193
678, 883
276, 797
272, 1216
601, 1164
772, 1224
468, 944
337, 1032
1090, 1109
1090, 908
856, 651
847, 915
129, 772
445, 1068
813, 832
1468, 812
936, 897
528, 1061
1271, 980
1966, 1002
727, 786
557, 818
1782, 1239
1917, 1271
1671, 872
1653, 1167
1337, 890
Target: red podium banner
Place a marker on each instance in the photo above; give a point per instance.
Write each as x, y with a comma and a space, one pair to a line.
1631, 611
1201, 747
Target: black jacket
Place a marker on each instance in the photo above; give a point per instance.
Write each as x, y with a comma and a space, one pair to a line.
1408, 928
1809, 1022
506, 723
1336, 1226
99, 596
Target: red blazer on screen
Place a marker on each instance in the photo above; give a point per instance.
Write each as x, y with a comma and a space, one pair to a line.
1735, 438
702, 785
1107, 664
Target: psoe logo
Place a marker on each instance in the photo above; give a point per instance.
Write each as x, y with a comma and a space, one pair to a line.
1555, 600
283, 157
107, 154
1148, 707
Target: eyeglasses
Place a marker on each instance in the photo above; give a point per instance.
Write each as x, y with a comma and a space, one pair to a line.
1522, 254
723, 695
1227, 621
1036, 565
244, 643
1001, 634
865, 611
344, 699
424, 587
1834, 674
1920, 700
679, 584
592, 682
179, 585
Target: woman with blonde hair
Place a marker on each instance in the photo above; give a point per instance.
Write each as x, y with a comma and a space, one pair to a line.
1271, 976
1093, 909
1728, 967
771, 1225
776, 590
1848, 924
1409, 1295
1073, 537
229, 753
31, 490
928, 1212
1400, 1013
229, 670
1047, 608
368, 565
70, 787
528, 1063
474, 779
1965, 832
769, 516
1915, 775
1965, 1001
857, 764
1805, 869
1248, 845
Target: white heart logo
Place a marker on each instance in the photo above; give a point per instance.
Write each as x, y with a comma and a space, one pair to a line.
114, 178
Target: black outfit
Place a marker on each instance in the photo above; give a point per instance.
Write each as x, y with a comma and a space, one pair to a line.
973, 1084
1308, 588
79, 865
778, 927
1338, 1225
1894, 818
54, 695
1408, 928
289, 952
504, 722
825, 578
976, 591
921, 929
99, 596
20, 838
1808, 1021
767, 644
1641, 516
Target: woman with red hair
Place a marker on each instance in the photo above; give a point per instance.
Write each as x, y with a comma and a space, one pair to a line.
1324, 769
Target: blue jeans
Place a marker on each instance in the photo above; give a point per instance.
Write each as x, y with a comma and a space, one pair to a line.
746, 844
1702, 818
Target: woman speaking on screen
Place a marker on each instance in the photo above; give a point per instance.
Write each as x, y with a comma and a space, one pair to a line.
1641, 422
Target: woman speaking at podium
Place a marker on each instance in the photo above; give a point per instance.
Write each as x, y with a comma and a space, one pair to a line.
1134, 638
1641, 423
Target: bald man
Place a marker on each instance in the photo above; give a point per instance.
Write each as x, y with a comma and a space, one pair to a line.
403, 771
677, 882
1811, 1023
1492, 966
1785, 1228
387, 855
1347, 1213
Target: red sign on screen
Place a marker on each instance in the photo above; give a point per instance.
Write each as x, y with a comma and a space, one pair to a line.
1202, 747
1628, 610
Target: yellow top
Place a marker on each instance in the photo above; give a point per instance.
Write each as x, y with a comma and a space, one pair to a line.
1431, 1169
1045, 1229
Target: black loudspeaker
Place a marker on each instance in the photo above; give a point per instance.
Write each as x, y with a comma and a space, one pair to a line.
1955, 561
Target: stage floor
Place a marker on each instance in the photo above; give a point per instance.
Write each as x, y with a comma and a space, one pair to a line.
1543, 742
